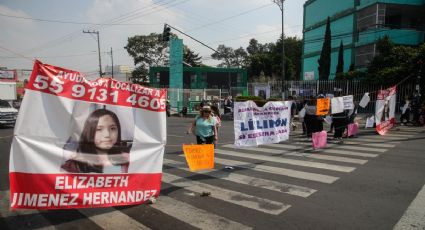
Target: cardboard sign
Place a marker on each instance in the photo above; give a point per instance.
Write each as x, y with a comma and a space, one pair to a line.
337, 104
199, 157
365, 100
348, 102
323, 105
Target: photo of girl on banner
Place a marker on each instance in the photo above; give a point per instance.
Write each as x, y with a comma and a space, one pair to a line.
77, 140
100, 148
385, 110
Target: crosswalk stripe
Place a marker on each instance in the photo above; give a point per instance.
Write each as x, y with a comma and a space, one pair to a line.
349, 153
337, 151
345, 146
319, 156
275, 170
304, 154
354, 142
5, 212
360, 148
385, 137
394, 134
414, 216
257, 149
287, 161
253, 181
194, 216
361, 143
112, 219
238, 198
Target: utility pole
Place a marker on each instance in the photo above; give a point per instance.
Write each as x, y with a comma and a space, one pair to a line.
98, 48
112, 60
280, 4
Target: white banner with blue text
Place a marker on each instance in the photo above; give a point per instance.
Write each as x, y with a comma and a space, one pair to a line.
261, 125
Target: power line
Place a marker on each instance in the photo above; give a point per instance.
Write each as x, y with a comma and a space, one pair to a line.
77, 23
60, 56
227, 18
78, 33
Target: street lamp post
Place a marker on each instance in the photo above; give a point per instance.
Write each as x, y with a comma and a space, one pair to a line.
280, 4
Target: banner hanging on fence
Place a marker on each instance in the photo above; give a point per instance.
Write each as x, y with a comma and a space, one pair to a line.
81, 144
385, 110
199, 157
364, 101
261, 125
323, 105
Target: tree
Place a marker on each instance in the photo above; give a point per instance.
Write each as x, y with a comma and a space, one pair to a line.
268, 58
259, 60
325, 56
393, 63
147, 51
340, 65
230, 57
191, 58
293, 53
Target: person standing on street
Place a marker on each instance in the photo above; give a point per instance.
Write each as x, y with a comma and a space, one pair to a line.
204, 127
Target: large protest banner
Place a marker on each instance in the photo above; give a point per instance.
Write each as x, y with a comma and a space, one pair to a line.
80, 143
261, 125
385, 110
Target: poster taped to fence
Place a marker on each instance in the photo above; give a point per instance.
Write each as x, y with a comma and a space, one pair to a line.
337, 105
261, 125
385, 110
81, 143
348, 102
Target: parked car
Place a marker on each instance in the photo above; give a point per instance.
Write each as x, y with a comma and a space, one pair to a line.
8, 114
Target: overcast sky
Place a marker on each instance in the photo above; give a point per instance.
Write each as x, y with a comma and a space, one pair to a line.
26, 34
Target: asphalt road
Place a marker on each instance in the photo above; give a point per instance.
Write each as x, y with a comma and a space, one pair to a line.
369, 182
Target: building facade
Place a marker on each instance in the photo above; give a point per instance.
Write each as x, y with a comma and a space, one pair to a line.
202, 78
359, 24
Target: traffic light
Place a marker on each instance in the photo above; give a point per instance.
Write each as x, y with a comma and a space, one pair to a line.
166, 33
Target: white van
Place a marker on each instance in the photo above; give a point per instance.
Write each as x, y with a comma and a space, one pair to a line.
8, 114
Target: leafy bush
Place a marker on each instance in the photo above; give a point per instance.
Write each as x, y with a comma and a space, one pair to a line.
257, 100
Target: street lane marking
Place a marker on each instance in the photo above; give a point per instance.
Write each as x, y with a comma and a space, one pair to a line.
351, 147
252, 181
257, 149
327, 150
277, 170
414, 216
349, 153
6, 136
319, 156
309, 155
171, 135
112, 219
237, 198
353, 142
194, 216
380, 145
318, 165
6, 213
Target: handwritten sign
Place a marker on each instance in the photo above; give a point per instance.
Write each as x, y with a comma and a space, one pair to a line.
199, 157
323, 106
